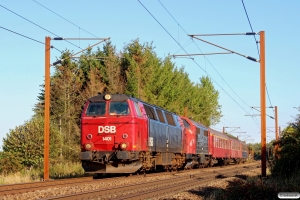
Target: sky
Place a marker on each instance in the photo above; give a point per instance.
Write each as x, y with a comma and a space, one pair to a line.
166, 24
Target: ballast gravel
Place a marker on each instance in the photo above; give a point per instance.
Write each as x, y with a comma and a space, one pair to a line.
190, 193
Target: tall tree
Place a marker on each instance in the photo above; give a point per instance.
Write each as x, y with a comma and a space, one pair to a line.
66, 84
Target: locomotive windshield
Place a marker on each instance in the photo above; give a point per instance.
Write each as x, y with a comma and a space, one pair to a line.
96, 109
118, 108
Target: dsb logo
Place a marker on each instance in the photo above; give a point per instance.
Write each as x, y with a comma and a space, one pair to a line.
106, 129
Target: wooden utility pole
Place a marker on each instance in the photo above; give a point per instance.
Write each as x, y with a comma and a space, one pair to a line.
263, 104
47, 109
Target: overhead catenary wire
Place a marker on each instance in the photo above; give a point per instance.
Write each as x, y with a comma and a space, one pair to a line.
269, 99
29, 38
209, 62
257, 47
66, 19
36, 25
251, 29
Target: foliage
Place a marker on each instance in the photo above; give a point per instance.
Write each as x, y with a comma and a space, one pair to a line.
57, 170
9, 163
24, 145
288, 161
152, 79
256, 147
66, 170
256, 188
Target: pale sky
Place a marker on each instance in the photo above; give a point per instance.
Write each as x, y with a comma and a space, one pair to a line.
166, 23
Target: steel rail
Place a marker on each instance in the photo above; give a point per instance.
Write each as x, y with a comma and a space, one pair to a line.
177, 187
107, 193
12, 189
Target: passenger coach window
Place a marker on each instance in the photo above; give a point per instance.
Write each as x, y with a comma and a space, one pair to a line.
118, 108
170, 119
96, 109
205, 133
160, 116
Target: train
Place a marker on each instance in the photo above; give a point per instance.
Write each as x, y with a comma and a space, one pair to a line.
123, 134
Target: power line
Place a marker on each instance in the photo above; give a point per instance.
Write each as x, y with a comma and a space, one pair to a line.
207, 60
251, 28
269, 99
257, 47
28, 38
80, 28
36, 25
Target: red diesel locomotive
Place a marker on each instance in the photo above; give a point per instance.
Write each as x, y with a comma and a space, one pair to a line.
122, 134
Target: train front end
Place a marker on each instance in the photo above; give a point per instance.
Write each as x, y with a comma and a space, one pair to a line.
110, 135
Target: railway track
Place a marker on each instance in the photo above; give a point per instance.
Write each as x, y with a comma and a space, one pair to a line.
13, 189
157, 188
171, 177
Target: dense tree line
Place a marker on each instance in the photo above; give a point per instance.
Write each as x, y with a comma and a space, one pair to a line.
287, 161
136, 70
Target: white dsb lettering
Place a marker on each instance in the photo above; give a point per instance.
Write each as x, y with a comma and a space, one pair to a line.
106, 129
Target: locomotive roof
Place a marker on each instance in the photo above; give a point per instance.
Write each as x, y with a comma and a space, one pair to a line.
199, 124
114, 97
123, 97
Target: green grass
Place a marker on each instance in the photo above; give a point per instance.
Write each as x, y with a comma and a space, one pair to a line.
57, 171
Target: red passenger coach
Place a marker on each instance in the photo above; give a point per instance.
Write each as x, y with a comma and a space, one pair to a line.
225, 148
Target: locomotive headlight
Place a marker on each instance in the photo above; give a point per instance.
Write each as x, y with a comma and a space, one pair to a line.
123, 145
107, 97
88, 146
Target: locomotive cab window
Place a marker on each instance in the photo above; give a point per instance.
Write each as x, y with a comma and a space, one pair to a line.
119, 108
186, 124
198, 130
137, 109
96, 109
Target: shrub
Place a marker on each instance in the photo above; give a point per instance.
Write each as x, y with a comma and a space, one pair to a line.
9, 164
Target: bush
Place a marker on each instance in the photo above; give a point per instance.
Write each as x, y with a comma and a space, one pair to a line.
256, 188
288, 162
25, 144
66, 170
9, 164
